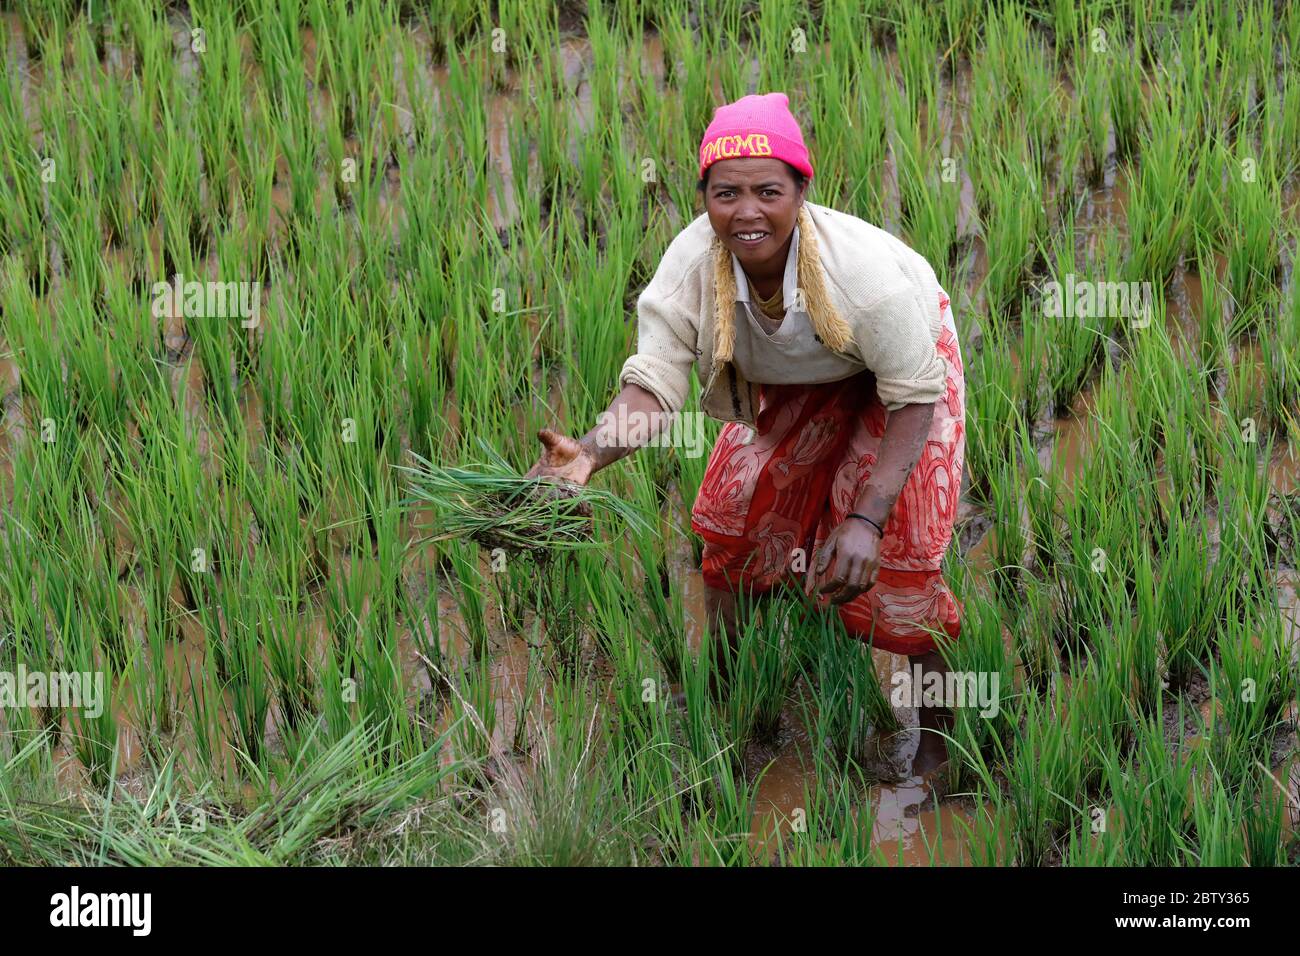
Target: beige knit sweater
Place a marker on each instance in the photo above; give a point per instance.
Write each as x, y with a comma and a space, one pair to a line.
873, 299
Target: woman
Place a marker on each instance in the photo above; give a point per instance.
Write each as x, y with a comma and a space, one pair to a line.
829, 348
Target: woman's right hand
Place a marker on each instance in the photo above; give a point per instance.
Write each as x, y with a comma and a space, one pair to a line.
564, 458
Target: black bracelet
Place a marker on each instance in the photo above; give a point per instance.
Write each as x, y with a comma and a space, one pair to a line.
854, 514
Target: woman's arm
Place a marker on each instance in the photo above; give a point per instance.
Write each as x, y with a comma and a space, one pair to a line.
577, 460
633, 418
852, 549
900, 450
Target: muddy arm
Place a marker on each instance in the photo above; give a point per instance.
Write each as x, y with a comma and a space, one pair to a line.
900, 450
633, 418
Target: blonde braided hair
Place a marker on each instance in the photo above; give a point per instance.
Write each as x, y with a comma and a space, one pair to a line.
826, 320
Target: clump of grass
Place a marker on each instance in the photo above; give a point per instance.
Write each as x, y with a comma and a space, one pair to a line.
491, 504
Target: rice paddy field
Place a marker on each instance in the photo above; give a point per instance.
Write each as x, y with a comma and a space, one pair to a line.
263, 518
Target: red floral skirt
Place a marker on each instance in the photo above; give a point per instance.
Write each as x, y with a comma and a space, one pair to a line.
798, 478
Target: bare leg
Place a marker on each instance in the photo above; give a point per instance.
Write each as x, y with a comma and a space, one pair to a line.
932, 750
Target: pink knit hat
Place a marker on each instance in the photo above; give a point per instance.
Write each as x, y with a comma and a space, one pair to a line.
755, 125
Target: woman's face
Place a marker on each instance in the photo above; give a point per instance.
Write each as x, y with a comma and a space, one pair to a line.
751, 196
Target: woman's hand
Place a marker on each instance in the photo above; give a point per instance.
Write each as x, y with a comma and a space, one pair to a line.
563, 458
851, 552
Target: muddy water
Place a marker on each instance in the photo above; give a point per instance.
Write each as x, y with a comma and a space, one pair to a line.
907, 828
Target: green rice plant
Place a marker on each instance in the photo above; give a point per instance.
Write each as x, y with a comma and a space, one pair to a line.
473, 718
1243, 492
855, 85
533, 679
43, 28
1075, 342
1087, 844
203, 714
1093, 92
961, 26
1013, 90
1281, 363
1189, 600
1043, 489
338, 786
94, 736
1009, 538
1208, 205
1072, 137
102, 602
993, 414
1262, 809
712, 750
852, 713
1043, 776
557, 590
1159, 196
720, 835
102, 117
762, 669
1087, 576
1240, 388
984, 648
929, 202
1126, 101
220, 88
1197, 59
1188, 433
240, 656
381, 694
1150, 794
1252, 682
470, 591
1279, 126
1032, 635
421, 612
917, 35
1212, 322
595, 342
1010, 188
661, 600
985, 834
26, 768
1139, 638
1101, 717
654, 765
1251, 223
1220, 833
21, 200
1068, 25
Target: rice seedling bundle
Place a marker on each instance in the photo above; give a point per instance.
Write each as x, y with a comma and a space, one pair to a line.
490, 503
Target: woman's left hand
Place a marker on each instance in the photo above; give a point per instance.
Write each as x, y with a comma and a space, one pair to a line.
851, 552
